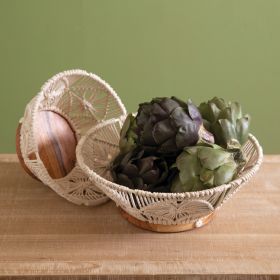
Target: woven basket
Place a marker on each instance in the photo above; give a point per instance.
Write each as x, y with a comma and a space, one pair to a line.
165, 212
83, 99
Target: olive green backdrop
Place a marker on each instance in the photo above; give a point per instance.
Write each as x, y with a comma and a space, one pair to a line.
145, 48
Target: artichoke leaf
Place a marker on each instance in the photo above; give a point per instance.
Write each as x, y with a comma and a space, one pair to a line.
143, 114
207, 177
188, 166
229, 133
191, 150
179, 117
147, 135
197, 185
151, 177
205, 136
225, 173
178, 187
138, 183
179, 101
236, 110
207, 124
125, 181
187, 135
242, 129
167, 104
130, 169
219, 102
162, 131
128, 134
214, 111
158, 112
213, 158
204, 111
168, 146
194, 112
126, 125
145, 164
226, 114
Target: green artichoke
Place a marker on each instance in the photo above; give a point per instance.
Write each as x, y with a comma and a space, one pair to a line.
139, 171
128, 135
226, 121
203, 167
167, 125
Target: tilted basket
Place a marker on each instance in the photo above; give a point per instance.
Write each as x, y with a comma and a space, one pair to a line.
162, 212
83, 100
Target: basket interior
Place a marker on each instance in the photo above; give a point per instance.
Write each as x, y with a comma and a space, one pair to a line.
83, 99
101, 145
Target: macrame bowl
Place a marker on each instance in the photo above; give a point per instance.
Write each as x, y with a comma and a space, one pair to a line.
82, 100
161, 212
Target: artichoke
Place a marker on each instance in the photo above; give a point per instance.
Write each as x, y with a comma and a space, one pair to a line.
128, 135
203, 167
167, 125
226, 121
139, 171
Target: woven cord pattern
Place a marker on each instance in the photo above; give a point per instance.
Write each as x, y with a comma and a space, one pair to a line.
100, 145
84, 100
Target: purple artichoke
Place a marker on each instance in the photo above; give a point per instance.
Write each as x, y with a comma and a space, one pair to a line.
139, 171
167, 125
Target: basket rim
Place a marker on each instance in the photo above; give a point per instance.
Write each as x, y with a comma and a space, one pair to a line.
45, 87
100, 181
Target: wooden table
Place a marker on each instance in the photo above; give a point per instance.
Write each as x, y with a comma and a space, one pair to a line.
41, 234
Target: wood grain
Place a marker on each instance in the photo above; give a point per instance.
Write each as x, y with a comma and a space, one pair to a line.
147, 277
56, 143
44, 236
164, 228
19, 154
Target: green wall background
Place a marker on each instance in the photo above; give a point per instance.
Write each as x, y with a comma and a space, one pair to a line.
145, 48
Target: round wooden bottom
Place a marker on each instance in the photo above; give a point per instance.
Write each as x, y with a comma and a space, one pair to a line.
19, 154
166, 228
56, 143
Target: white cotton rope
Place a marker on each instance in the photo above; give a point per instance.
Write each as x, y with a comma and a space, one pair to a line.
101, 143
84, 100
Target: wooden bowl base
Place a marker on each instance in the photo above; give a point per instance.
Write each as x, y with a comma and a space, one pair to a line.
166, 228
19, 154
56, 143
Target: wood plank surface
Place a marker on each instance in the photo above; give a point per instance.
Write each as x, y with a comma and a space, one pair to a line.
42, 236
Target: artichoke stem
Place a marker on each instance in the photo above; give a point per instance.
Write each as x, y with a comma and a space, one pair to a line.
205, 135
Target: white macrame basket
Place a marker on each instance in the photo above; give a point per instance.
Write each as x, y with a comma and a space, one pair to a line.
84, 100
99, 146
